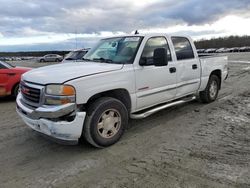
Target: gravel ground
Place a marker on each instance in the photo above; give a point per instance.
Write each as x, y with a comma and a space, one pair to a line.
192, 145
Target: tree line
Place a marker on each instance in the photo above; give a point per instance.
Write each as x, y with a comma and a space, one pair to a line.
31, 54
223, 42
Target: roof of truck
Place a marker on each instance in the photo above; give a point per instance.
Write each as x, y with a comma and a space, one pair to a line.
150, 35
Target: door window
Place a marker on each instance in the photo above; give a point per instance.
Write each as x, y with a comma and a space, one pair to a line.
183, 48
2, 67
151, 45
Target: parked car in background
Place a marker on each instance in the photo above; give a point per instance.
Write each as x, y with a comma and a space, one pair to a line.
210, 50
220, 50
17, 59
7, 59
235, 49
10, 77
51, 58
200, 51
247, 49
244, 49
27, 58
75, 55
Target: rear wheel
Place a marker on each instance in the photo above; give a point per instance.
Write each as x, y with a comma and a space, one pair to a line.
211, 92
105, 122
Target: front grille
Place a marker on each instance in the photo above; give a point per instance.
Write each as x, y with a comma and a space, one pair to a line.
30, 94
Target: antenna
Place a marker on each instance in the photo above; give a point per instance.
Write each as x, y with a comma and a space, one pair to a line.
76, 36
136, 32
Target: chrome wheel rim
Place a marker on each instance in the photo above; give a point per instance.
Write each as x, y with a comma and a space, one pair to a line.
109, 123
213, 89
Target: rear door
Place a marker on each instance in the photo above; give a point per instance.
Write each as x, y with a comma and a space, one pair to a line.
154, 85
187, 65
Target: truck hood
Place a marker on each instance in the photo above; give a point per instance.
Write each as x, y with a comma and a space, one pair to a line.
67, 71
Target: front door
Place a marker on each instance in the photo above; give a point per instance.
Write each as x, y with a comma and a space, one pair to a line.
154, 85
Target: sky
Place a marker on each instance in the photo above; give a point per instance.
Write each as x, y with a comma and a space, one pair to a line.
33, 25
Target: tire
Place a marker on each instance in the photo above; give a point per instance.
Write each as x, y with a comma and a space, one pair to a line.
211, 92
15, 90
42, 60
57, 60
105, 122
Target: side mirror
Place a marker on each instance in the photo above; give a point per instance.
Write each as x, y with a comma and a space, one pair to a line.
160, 57
143, 61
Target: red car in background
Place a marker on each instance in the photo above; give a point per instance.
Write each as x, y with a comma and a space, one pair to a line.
10, 77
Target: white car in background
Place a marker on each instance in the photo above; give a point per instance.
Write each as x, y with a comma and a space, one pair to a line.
210, 50
220, 50
51, 58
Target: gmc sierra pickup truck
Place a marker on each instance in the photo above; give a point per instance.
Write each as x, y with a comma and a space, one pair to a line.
124, 77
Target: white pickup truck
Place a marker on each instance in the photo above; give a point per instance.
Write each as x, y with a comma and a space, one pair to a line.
124, 77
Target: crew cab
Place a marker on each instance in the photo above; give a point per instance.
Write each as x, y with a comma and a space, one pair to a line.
10, 77
131, 76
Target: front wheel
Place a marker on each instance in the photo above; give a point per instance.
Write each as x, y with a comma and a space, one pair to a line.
211, 92
105, 122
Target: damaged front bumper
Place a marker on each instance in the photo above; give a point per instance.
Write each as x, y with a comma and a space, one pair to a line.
39, 120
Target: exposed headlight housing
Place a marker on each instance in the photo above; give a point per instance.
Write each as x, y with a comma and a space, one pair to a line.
59, 94
61, 90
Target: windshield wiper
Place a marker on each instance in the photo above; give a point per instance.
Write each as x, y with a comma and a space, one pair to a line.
86, 59
103, 60
69, 58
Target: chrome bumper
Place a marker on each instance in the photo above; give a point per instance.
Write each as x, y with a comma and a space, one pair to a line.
62, 130
45, 111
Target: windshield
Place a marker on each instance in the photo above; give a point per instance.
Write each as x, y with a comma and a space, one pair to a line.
120, 50
75, 55
7, 65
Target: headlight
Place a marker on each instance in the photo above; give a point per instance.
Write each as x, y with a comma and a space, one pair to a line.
61, 90
59, 94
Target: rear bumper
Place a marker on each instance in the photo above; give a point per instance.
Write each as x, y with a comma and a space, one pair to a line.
60, 130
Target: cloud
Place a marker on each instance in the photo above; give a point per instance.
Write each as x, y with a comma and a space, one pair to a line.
89, 16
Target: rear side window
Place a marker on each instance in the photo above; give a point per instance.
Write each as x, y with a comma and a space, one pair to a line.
151, 45
183, 48
2, 67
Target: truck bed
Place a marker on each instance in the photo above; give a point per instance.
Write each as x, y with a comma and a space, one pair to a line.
211, 63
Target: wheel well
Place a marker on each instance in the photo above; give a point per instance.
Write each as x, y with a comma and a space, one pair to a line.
218, 74
120, 94
12, 89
